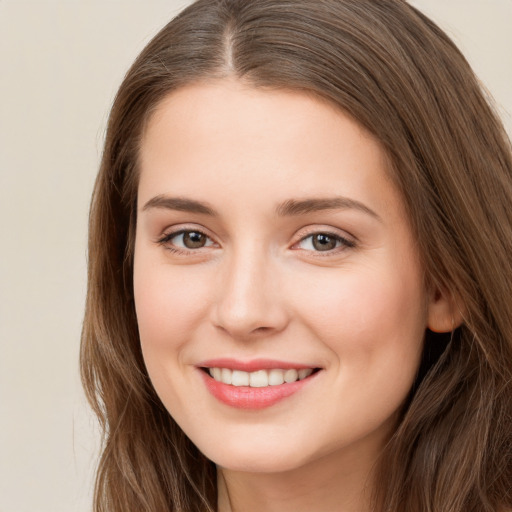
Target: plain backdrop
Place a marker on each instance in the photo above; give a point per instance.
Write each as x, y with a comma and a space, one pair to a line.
60, 65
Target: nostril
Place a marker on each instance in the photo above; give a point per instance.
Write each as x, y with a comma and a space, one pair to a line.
262, 329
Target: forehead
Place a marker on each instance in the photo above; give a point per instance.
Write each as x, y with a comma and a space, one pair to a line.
221, 103
228, 138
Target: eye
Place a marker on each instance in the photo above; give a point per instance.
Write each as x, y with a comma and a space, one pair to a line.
187, 240
323, 242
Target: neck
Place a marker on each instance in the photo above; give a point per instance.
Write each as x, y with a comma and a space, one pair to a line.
323, 484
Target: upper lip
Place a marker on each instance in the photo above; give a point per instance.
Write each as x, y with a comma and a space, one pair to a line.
253, 365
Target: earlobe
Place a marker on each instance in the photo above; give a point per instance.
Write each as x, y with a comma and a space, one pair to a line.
444, 313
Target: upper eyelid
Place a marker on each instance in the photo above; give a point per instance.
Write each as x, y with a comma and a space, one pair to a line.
171, 231
345, 241
173, 234
327, 230
165, 238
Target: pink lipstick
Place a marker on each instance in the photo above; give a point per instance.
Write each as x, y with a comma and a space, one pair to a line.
255, 384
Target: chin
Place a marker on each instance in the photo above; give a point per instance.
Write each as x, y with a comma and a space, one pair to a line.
254, 458
257, 464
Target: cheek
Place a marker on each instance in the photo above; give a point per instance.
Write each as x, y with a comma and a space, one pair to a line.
374, 325
169, 303
374, 318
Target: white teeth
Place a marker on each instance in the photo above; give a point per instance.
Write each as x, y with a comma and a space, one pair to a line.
305, 372
239, 378
275, 377
291, 375
260, 378
226, 375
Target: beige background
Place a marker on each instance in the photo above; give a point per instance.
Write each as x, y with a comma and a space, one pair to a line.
61, 62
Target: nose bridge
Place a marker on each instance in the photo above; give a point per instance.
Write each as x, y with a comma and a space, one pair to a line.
249, 301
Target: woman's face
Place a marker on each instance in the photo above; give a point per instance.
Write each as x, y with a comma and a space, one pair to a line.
271, 246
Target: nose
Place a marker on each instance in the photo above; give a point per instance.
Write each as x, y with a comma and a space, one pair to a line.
250, 301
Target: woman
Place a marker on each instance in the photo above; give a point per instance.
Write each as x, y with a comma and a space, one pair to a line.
299, 268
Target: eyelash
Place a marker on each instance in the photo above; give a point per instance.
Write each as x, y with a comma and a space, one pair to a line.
166, 239
344, 243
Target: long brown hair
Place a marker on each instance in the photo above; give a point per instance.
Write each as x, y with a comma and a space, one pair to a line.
401, 77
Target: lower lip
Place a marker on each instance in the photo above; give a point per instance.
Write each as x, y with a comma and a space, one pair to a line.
246, 397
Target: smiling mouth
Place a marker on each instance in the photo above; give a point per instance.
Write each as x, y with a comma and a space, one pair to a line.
259, 378
257, 384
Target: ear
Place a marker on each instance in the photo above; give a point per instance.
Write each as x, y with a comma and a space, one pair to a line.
444, 313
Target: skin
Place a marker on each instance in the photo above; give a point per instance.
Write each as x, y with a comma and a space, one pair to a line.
259, 288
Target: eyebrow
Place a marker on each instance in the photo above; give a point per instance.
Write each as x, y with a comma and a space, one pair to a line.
300, 207
289, 208
181, 204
